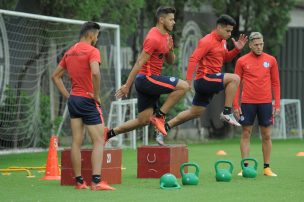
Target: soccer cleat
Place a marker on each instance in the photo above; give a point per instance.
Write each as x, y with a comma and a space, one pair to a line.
81, 186
240, 173
159, 123
160, 140
229, 118
101, 186
268, 172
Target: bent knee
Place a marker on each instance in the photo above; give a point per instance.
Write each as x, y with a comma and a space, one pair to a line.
183, 85
236, 78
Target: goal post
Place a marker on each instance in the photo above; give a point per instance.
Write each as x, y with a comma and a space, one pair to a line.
288, 124
31, 46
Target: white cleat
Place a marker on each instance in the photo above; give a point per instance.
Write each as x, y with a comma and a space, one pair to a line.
229, 118
160, 139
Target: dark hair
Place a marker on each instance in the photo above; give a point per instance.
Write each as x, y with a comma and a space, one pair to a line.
89, 27
225, 20
163, 10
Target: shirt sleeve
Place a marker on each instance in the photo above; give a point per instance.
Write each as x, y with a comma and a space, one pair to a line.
62, 62
239, 71
200, 52
275, 83
150, 46
95, 56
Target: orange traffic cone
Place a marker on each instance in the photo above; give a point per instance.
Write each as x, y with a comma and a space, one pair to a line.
300, 154
52, 171
221, 153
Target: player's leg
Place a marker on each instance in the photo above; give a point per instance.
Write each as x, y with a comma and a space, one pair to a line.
77, 128
248, 115
94, 122
178, 92
77, 139
143, 119
265, 122
146, 104
231, 83
157, 85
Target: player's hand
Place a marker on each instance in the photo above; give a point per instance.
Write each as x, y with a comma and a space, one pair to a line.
237, 113
122, 92
170, 43
241, 42
276, 111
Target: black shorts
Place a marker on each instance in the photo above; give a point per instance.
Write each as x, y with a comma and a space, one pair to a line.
263, 111
149, 88
85, 108
206, 87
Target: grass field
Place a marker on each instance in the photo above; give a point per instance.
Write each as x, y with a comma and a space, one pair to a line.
288, 186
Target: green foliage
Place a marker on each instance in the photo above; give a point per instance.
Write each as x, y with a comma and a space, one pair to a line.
268, 17
45, 123
124, 13
8, 4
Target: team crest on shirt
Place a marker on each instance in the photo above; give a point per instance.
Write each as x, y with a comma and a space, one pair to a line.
266, 64
172, 79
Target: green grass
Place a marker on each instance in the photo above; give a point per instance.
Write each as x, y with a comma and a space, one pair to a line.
288, 186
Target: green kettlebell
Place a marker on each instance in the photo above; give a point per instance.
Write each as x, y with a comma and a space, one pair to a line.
190, 178
249, 171
168, 181
223, 175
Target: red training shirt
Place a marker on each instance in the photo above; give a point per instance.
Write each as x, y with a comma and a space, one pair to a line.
77, 63
259, 79
156, 45
210, 56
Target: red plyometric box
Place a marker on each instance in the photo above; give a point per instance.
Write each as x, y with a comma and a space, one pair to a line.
110, 171
154, 161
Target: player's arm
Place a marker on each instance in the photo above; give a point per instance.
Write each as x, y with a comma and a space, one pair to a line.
275, 84
170, 57
141, 60
236, 102
96, 79
57, 79
200, 52
239, 45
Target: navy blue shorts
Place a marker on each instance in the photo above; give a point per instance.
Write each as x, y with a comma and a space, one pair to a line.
85, 108
206, 87
149, 89
263, 111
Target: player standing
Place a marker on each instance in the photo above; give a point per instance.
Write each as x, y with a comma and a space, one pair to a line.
259, 83
81, 62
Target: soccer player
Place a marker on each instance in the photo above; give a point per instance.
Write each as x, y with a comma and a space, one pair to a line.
81, 62
259, 83
149, 83
209, 57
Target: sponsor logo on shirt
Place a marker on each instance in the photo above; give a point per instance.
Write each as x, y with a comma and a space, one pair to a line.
266, 64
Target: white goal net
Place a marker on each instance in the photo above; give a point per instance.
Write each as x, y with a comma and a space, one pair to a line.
288, 124
31, 108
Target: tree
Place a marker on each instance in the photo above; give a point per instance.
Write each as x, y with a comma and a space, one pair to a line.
268, 17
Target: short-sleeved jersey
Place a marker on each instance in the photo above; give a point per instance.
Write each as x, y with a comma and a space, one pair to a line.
77, 63
210, 55
156, 45
259, 79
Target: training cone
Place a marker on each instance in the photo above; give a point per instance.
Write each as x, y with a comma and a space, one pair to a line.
52, 171
221, 153
300, 154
